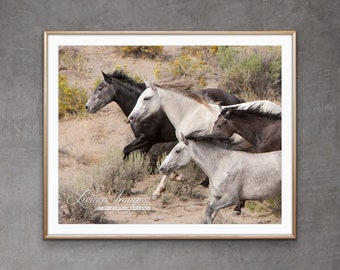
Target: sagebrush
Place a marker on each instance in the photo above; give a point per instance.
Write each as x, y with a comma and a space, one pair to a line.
70, 211
188, 67
114, 174
251, 72
142, 51
71, 59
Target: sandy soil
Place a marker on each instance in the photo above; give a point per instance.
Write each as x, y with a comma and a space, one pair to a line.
84, 142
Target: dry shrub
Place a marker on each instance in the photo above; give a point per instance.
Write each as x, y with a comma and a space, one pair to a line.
204, 53
72, 212
185, 188
156, 153
116, 175
191, 68
71, 59
142, 51
113, 175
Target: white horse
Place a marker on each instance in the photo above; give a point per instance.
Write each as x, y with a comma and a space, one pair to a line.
234, 175
187, 112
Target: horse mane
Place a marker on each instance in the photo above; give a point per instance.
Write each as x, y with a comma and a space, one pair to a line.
215, 139
255, 110
121, 76
182, 88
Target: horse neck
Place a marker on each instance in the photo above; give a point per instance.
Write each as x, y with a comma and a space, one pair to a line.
177, 106
203, 154
126, 97
248, 126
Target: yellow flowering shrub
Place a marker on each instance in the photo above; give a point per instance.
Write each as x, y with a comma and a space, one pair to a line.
72, 100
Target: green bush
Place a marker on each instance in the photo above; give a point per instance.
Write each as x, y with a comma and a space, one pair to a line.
253, 71
72, 100
272, 205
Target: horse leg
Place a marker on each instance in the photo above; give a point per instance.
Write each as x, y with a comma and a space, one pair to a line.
174, 176
139, 143
160, 188
205, 182
237, 209
212, 209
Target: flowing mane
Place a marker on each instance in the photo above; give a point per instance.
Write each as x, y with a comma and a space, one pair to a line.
121, 76
256, 110
214, 139
185, 92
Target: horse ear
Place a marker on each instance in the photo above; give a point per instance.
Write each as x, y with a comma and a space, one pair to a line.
106, 77
226, 114
146, 82
153, 87
183, 139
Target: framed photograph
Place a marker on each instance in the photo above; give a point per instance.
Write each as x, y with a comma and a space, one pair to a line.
170, 135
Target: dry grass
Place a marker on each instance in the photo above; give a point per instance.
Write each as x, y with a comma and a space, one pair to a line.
70, 58
142, 51
70, 211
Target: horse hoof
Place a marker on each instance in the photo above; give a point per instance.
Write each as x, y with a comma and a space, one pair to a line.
236, 213
155, 196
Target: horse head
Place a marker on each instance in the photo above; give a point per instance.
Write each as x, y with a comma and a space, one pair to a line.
102, 95
223, 126
147, 104
177, 158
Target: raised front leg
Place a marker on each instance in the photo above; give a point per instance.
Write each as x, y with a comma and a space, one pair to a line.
138, 144
160, 188
174, 176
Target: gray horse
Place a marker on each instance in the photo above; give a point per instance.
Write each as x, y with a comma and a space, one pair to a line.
234, 175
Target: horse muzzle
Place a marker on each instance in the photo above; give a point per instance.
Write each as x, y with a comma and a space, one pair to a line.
132, 118
163, 170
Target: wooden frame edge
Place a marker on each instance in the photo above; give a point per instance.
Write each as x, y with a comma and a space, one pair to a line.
45, 95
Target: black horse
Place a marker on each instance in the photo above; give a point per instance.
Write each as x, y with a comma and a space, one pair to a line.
157, 128
125, 91
219, 96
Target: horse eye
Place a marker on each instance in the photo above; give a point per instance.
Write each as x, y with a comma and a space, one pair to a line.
218, 126
147, 98
178, 151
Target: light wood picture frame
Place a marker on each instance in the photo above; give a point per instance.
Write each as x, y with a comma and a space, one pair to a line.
80, 149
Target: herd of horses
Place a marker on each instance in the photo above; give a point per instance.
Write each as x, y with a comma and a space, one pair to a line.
236, 143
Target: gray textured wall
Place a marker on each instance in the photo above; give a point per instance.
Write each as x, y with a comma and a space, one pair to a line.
21, 133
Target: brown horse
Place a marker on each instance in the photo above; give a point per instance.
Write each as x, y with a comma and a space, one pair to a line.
261, 129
